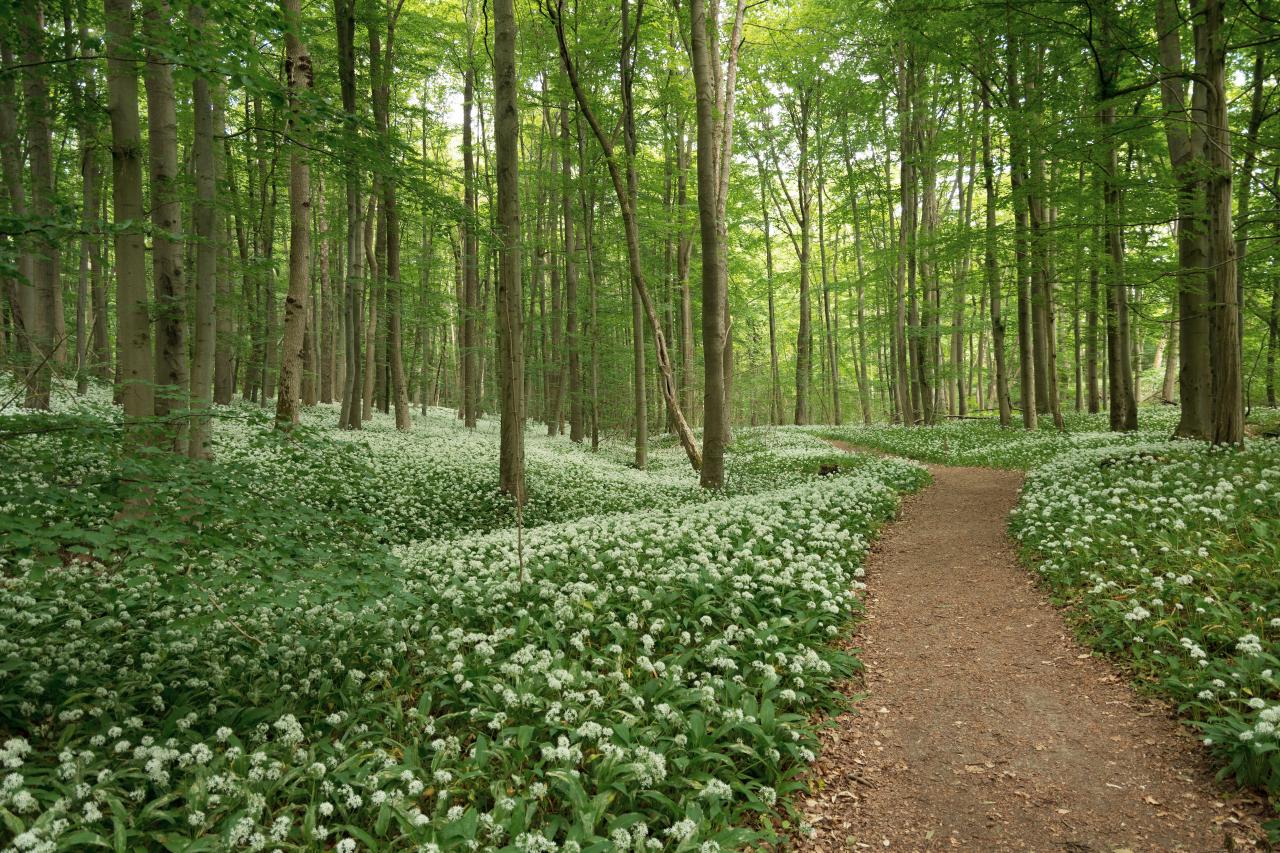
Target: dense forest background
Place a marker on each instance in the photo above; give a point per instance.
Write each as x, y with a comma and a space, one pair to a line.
889, 211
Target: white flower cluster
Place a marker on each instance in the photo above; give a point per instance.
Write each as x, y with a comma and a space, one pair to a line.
1169, 549
607, 663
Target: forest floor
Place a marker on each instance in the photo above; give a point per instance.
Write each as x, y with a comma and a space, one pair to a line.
986, 725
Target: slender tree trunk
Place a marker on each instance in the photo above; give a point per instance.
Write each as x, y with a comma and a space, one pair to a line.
328, 350
906, 183
344, 15
990, 263
1124, 407
389, 234
833, 362
553, 362
204, 215
775, 381
167, 268
714, 330
684, 250
224, 327
577, 430
510, 300
470, 264
299, 76
133, 323
1168, 385
726, 98
88, 272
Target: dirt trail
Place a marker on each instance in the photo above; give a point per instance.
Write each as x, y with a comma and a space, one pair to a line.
985, 725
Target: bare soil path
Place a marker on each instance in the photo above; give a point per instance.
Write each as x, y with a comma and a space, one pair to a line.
986, 726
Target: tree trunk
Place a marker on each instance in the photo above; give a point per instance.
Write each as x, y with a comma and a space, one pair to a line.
577, 430
344, 15
775, 381
990, 263
88, 272
19, 289
42, 321
553, 360
1186, 141
684, 250
470, 263
328, 350
906, 183
133, 319
1225, 358
1124, 407
713, 275
204, 215
299, 75
1168, 386
833, 362
167, 272
510, 300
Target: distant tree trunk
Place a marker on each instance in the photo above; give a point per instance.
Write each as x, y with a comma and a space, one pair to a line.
906, 183
167, 269
577, 430
713, 302
1017, 178
775, 380
42, 321
684, 251
510, 300
1168, 386
470, 263
833, 361
88, 156
1257, 114
224, 329
133, 320
1044, 339
299, 75
1091, 324
206, 261
864, 384
1124, 407
328, 355
372, 256
586, 200
553, 360
958, 292
990, 263
344, 14
381, 67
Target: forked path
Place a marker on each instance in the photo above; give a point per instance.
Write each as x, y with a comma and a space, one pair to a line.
986, 726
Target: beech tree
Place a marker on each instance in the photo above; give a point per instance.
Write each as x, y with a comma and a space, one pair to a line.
1026, 212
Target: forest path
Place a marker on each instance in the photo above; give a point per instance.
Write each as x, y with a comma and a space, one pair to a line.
985, 725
